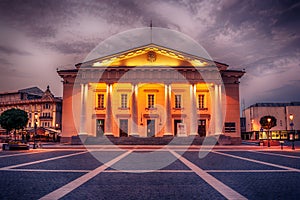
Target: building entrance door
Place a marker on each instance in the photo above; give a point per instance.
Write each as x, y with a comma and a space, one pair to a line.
176, 121
99, 127
150, 128
123, 128
202, 127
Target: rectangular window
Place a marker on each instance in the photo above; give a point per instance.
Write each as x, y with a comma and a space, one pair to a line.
100, 101
201, 101
177, 101
46, 106
230, 127
123, 100
150, 100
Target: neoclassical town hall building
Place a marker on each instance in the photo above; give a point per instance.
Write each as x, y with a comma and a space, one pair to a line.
150, 91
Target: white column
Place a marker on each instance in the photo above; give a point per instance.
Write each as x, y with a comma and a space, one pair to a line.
218, 110
84, 94
168, 129
53, 115
108, 115
134, 111
194, 118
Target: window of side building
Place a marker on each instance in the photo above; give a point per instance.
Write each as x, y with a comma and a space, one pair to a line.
46, 106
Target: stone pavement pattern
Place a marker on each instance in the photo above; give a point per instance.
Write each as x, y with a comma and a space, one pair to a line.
149, 173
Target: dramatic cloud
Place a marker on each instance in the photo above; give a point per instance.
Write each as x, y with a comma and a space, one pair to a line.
261, 37
11, 50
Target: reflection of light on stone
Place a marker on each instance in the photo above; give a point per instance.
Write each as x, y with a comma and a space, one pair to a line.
138, 57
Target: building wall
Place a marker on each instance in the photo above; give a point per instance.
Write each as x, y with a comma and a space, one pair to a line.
68, 124
135, 73
44, 110
295, 110
8, 97
232, 108
281, 113
71, 114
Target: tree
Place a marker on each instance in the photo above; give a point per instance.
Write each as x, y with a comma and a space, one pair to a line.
13, 119
268, 125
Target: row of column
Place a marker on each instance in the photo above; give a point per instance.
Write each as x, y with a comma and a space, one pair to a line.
216, 110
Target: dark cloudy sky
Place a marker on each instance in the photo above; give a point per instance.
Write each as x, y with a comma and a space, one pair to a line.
262, 37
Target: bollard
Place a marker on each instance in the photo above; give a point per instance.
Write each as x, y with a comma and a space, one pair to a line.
281, 144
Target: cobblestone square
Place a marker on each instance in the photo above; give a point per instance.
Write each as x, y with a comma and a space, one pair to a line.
150, 172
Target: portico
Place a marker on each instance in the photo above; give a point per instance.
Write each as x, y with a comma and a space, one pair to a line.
150, 91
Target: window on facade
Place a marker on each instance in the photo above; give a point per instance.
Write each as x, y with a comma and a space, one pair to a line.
100, 101
177, 101
123, 100
230, 127
46, 114
150, 100
201, 101
46, 106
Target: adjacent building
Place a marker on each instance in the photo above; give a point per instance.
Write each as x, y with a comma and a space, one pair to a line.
282, 113
151, 91
43, 107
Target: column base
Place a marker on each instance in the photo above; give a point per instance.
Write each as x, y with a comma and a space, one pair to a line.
134, 135
83, 133
168, 134
108, 134
193, 134
218, 134
181, 135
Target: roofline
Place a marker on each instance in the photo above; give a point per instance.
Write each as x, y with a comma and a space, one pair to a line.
85, 64
273, 104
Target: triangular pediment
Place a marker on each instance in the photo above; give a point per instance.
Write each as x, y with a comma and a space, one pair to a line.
149, 55
48, 95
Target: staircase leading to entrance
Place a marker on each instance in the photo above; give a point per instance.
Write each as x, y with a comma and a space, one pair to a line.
169, 140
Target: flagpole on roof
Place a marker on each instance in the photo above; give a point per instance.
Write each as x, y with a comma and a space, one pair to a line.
151, 31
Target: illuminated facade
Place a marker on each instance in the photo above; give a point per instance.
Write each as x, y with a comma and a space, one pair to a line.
150, 91
35, 102
281, 111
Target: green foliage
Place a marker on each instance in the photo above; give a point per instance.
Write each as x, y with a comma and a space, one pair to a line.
268, 125
13, 119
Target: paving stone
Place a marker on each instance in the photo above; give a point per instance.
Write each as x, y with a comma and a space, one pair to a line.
154, 185
289, 153
145, 186
218, 162
32, 185
279, 160
263, 185
14, 160
149, 161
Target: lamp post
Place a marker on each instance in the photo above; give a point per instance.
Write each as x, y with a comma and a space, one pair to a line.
292, 129
35, 127
269, 125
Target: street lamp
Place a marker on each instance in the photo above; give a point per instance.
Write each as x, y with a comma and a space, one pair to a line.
35, 127
269, 125
292, 129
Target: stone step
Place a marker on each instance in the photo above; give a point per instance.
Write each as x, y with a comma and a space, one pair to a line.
144, 141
